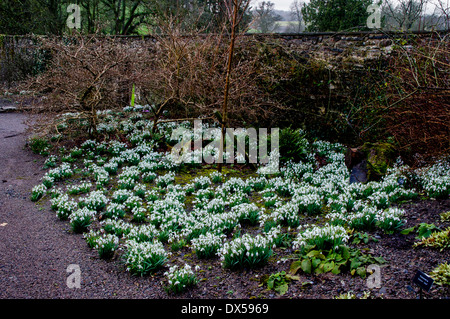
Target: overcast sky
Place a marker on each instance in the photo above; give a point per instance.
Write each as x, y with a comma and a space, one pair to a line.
279, 4
282, 4
285, 4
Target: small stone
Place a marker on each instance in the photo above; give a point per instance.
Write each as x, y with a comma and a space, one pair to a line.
8, 109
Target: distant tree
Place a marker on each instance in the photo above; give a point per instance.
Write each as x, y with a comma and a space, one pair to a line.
32, 16
265, 17
335, 15
297, 16
402, 14
91, 15
50, 16
15, 16
442, 12
124, 16
193, 15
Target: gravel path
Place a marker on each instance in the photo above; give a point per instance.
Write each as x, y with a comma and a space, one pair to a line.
36, 248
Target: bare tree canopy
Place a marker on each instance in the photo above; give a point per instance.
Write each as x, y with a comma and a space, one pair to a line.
265, 17
116, 17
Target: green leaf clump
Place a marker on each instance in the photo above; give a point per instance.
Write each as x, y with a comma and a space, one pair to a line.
278, 282
423, 230
313, 261
445, 216
293, 144
440, 239
441, 274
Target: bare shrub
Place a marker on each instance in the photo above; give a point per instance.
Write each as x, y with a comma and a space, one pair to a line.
85, 75
188, 76
418, 92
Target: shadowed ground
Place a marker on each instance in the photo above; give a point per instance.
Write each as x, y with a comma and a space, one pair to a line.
36, 248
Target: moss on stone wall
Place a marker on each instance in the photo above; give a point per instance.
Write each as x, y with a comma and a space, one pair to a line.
380, 157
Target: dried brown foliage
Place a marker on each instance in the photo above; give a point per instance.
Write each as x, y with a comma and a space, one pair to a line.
183, 76
86, 74
418, 92
188, 77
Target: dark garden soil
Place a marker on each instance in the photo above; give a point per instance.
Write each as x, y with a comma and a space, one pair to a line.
36, 249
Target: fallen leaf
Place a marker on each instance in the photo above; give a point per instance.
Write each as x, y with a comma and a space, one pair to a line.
291, 277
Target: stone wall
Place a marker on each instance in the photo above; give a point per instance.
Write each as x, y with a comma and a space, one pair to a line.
321, 78
352, 49
20, 55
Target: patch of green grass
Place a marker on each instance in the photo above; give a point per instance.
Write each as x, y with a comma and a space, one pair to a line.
39, 145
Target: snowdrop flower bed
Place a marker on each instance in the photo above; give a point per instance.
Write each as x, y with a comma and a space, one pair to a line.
325, 237
81, 219
38, 192
436, 179
104, 243
133, 201
143, 258
180, 278
207, 245
63, 206
246, 251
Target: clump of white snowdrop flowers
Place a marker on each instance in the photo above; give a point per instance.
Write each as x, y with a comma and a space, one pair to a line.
142, 233
391, 220
436, 179
38, 192
201, 182
60, 172
145, 257
81, 219
127, 196
324, 237
207, 245
106, 245
165, 180
118, 227
121, 195
180, 278
287, 214
63, 206
246, 251
115, 210
96, 200
81, 188
216, 177
101, 175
